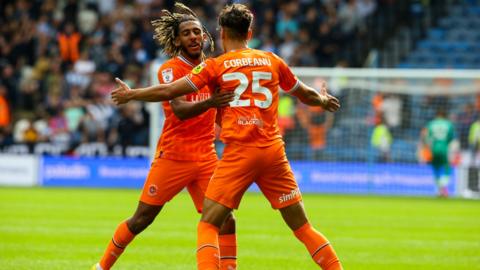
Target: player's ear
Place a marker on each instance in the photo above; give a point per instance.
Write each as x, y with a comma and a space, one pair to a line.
205, 38
249, 34
222, 33
176, 42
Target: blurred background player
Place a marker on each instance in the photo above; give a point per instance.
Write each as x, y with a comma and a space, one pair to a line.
185, 155
254, 149
438, 135
474, 141
381, 141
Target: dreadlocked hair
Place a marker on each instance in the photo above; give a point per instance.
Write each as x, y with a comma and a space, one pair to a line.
167, 27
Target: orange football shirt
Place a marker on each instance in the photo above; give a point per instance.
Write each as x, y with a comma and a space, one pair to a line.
256, 77
190, 139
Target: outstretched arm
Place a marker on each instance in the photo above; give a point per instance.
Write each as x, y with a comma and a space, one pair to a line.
184, 109
155, 93
309, 96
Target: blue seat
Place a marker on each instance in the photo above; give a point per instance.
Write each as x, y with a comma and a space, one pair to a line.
460, 46
472, 2
442, 46
436, 34
426, 45
462, 35
476, 36
460, 66
441, 60
405, 65
474, 10
460, 59
473, 23
476, 59
457, 11
445, 23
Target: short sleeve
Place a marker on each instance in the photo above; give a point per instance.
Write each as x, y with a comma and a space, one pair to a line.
288, 81
203, 75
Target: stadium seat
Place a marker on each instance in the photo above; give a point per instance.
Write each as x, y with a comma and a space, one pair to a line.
436, 34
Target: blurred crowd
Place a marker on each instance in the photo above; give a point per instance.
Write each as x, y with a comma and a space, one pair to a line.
58, 59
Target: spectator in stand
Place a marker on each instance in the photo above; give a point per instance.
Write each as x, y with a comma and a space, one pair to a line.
10, 79
5, 118
327, 46
90, 129
68, 43
30, 136
288, 47
130, 125
58, 127
64, 50
348, 17
5, 115
286, 21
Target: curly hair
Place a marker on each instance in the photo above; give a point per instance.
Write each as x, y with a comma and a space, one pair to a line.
167, 28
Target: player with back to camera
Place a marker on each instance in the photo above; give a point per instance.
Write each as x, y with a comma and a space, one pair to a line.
185, 155
254, 150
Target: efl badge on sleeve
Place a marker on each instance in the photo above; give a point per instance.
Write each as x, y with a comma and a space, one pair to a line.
199, 68
167, 75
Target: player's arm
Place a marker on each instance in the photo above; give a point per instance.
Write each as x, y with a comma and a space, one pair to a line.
310, 97
155, 93
184, 109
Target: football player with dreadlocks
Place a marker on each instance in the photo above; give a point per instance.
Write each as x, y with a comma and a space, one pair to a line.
185, 155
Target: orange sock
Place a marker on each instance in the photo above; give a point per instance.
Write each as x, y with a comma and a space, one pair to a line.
208, 257
121, 238
228, 251
318, 247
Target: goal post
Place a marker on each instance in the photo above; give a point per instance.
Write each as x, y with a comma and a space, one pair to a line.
379, 127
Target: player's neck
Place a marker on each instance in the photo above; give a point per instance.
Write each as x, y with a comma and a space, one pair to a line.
234, 45
194, 61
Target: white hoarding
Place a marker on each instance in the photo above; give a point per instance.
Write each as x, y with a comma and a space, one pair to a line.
18, 170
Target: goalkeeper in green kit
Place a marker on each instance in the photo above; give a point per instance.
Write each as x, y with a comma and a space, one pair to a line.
438, 135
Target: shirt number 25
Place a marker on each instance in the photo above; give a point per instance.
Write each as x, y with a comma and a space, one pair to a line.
256, 88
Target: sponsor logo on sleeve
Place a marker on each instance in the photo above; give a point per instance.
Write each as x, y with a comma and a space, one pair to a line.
167, 75
199, 68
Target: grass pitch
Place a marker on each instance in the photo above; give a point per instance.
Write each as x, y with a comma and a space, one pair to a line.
54, 228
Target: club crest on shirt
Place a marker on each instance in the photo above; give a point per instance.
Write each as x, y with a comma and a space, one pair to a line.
167, 75
199, 68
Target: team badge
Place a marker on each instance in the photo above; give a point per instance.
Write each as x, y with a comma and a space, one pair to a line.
167, 75
152, 190
199, 68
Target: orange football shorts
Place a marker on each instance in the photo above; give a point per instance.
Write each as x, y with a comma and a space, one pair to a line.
167, 178
241, 166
